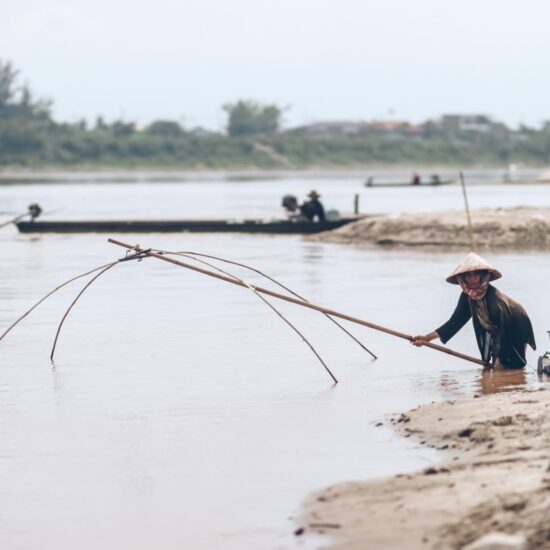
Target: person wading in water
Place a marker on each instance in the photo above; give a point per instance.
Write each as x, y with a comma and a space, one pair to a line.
502, 327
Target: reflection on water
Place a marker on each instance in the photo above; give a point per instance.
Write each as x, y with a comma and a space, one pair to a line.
500, 380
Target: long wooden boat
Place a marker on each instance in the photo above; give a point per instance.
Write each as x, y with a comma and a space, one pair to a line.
180, 226
430, 183
525, 182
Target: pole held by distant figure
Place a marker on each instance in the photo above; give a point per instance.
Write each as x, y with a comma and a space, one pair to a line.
294, 301
468, 216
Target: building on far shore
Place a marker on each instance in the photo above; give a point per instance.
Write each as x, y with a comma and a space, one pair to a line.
351, 128
403, 127
331, 128
199, 132
466, 123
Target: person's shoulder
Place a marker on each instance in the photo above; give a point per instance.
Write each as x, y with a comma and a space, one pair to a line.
494, 292
497, 296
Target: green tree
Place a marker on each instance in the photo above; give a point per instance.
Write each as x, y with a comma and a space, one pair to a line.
248, 118
8, 78
100, 124
165, 128
17, 100
121, 128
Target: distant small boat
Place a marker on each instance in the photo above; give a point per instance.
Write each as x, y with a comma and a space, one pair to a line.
542, 179
430, 183
530, 181
513, 176
282, 226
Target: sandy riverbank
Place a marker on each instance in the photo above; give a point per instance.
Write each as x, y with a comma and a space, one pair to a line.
496, 479
511, 228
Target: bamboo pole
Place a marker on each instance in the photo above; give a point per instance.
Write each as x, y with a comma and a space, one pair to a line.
468, 216
299, 302
73, 304
14, 220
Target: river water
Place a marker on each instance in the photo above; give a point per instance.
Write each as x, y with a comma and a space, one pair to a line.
181, 412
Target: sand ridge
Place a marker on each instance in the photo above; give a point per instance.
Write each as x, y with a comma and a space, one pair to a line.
496, 479
510, 228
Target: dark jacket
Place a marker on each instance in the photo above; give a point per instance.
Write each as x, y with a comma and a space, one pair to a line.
513, 328
313, 208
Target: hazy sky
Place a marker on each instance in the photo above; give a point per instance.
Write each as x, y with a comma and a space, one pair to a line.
325, 59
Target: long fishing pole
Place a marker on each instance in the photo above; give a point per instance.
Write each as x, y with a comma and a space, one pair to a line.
14, 220
273, 281
296, 301
33, 211
468, 216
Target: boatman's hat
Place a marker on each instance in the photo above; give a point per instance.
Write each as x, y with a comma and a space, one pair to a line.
473, 262
314, 195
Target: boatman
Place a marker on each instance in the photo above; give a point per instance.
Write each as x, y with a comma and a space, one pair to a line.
290, 204
501, 326
313, 208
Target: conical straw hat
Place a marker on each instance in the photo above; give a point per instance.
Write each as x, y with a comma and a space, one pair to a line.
473, 262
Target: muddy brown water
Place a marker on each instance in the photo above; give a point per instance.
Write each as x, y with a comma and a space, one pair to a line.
181, 412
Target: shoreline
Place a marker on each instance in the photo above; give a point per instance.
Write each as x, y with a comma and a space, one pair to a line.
494, 482
142, 173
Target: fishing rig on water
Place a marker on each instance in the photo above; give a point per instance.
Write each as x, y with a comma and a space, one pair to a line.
135, 252
34, 211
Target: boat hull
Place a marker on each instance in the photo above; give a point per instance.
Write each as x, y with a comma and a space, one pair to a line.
407, 184
181, 226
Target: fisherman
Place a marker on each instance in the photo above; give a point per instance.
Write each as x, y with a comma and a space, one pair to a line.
415, 180
313, 208
34, 211
501, 326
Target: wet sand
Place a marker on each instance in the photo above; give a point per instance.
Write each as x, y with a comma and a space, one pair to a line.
501, 228
493, 485
492, 489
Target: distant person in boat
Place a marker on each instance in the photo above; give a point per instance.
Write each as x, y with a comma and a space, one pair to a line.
416, 179
313, 209
502, 327
436, 180
34, 211
290, 204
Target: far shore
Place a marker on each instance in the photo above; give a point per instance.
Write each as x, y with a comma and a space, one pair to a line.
493, 486
174, 173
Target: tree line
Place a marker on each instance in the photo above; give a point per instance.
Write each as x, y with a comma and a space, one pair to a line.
254, 137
